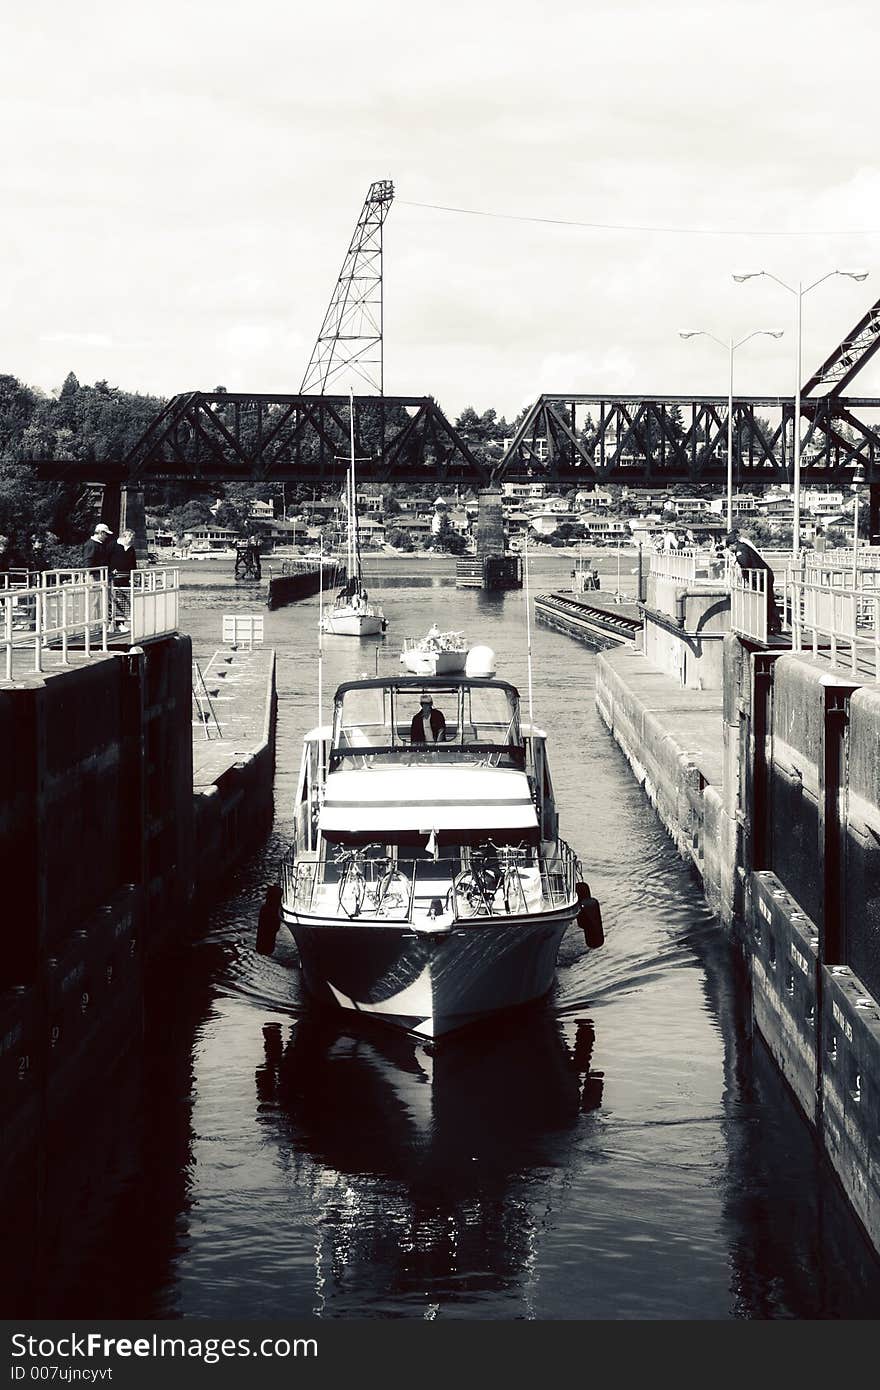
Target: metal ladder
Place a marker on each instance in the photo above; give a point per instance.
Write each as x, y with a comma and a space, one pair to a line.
203, 708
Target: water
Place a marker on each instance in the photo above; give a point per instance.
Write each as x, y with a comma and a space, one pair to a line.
626, 1151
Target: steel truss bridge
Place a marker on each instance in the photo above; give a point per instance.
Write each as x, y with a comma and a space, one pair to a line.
648, 441
227, 437
643, 441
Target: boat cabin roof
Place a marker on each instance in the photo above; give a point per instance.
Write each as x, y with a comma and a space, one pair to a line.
440, 683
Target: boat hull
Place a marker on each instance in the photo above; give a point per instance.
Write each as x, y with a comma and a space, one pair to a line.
430, 982
352, 624
433, 663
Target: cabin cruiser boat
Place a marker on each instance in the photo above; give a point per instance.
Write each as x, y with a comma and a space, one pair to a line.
427, 885
436, 654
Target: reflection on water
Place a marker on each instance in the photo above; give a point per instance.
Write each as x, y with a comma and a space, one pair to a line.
456, 1136
626, 1151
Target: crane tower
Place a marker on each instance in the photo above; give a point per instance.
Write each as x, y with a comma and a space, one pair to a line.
350, 340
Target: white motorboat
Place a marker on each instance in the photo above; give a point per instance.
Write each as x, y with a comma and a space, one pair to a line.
352, 614
427, 885
436, 654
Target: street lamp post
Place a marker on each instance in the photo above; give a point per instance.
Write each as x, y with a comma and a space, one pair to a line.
798, 293
730, 347
858, 479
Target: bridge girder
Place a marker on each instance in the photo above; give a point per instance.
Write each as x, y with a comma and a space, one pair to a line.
230, 437
649, 441
643, 441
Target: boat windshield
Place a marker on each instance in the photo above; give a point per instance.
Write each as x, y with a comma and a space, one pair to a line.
396, 723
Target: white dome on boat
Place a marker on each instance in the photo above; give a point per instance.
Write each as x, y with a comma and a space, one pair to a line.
480, 662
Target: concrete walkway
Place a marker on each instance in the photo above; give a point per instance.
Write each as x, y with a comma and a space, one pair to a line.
240, 685
691, 718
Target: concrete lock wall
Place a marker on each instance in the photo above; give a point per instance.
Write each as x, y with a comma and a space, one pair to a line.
169, 839
234, 814
689, 806
788, 843
799, 779
96, 845
684, 632
783, 951
850, 1091
862, 866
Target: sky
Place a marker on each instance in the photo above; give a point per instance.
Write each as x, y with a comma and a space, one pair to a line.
179, 183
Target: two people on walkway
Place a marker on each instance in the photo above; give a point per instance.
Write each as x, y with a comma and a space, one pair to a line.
119, 558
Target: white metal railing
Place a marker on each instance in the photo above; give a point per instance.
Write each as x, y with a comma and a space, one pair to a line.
153, 596
688, 566
18, 578
405, 890
67, 606
748, 604
243, 630
841, 557
839, 573
847, 619
302, 565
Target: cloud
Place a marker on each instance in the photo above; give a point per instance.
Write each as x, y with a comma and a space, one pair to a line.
80, 339
196, 196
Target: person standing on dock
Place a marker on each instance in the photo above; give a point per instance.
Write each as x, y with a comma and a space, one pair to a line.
747, 557
98, 548
123, 560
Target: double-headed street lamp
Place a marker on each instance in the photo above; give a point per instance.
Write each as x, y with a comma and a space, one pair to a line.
730, 347
798, 293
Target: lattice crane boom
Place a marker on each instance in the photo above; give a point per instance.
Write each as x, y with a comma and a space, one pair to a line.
350, 340
849, 357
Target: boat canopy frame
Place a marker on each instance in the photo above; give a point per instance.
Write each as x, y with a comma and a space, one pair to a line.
489, 734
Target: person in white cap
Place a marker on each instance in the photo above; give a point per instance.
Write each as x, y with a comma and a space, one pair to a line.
96, 551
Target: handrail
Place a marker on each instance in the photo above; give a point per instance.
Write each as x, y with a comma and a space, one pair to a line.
748, 604
528, 882
848, 619
72, 605
686, 566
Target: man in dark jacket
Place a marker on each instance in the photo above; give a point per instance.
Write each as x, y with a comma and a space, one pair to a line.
97, 549
747, 557
429, 725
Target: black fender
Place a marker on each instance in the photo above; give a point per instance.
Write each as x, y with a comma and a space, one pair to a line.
589, 917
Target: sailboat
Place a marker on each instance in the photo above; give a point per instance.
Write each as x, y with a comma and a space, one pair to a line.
352, 615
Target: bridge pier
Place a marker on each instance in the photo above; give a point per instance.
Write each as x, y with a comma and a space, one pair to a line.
122, 505
133, 516
111, 501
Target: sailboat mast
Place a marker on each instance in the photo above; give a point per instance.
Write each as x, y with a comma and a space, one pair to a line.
351, 493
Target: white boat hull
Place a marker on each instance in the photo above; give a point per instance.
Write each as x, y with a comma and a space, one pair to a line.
350, 623
430, 982
433, 663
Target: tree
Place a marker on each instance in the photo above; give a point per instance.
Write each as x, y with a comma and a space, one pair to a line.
448, 539
400, 539
230, 516
193, 513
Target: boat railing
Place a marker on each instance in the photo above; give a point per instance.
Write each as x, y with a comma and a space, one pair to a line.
508, 755
436, 642
504, 883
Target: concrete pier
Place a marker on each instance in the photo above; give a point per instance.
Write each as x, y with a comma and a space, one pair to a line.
292, 580
233, 774
599, 622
